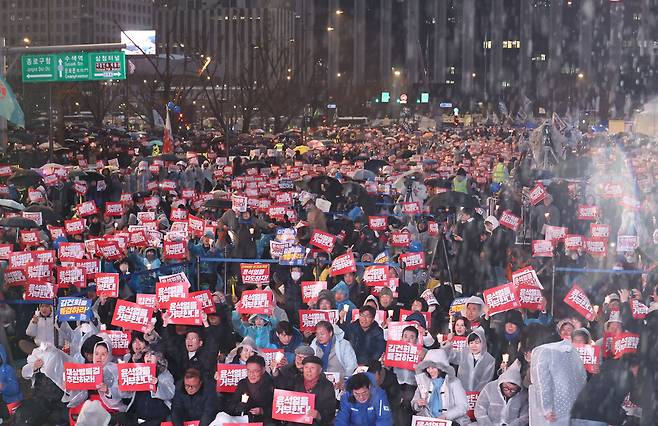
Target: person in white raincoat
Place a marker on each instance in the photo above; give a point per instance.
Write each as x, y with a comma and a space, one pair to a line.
439, 394
476, 365
503, 401
557, 375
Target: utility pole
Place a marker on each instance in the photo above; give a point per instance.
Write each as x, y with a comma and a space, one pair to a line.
4, 136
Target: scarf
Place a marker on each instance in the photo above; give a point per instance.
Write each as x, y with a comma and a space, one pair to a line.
435, 404
512, 337
310, 384
326, 351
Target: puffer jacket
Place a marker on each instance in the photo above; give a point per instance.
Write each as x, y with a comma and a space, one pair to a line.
368, 345
11, 391
344, 351
375, 412
493, 410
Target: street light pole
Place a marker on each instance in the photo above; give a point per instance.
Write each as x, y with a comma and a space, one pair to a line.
4, 137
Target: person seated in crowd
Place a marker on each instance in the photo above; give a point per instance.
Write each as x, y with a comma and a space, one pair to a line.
366, 336
503, 401
336, 353
285, 373
286, 337
254, 394
195, 399
313, 381
363, 403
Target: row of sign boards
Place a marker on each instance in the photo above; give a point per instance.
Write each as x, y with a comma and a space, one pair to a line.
74, 66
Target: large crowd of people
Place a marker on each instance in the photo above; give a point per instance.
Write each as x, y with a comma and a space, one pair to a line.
349, 276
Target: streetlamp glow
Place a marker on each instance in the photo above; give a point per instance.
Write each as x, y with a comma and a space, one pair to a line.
397, 73
339, 12
581, 75
330, 28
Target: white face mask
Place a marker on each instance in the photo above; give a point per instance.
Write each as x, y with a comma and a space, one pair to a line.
296, 275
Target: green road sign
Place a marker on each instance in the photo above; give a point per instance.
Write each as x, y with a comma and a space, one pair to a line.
74, 66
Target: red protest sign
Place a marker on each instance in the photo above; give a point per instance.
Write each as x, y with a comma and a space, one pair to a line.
411, 208
80, 188
114, 209
624, 343
20, 258
178, 215
573, 242
107, 284
639, 309
311, 290
376, 275
74, 226
131, 316
526, 275
109, 250
228, 376
71, 250
38, 272
530, 297
294, 407
429, 421
400, 239
510, 221
395, 329
174, 250
590, 355
432, 228
343, 264
323, 240
402, 355
119, 340
39, 291
308, 319
413, 261
205, 298
255, 273
502, 298
195, 225
542, 248
404, 313
88, 208
82, 376
15, 276
185, 311
5, 251
578, 300
537, 194
586, 212
91, 266
148, 300
555, 233
597, 246
627, 243
165, 291
599, 230
138, 239
29, 238
135, 377
378, 223
255, 302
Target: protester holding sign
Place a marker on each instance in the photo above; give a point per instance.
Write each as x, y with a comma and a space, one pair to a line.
254, 394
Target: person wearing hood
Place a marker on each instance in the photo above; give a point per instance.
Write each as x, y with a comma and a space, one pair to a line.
508, 338
41, 328
557, 376
366, 336
241, 353
9, 386
494, 252
343, 302
336, 353
292, 285
476, 365
364, 403
503, 401
258, 327
388, 303
150, 408
219, 334
439, 394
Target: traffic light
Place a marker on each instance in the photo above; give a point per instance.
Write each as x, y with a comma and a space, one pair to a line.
424, 98
386, 97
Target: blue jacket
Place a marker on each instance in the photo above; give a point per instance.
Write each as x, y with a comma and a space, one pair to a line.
261, 335
368, 345
11, 391
375, 412
289, 349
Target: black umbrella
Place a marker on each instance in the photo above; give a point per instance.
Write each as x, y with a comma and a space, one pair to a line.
254, 165
325, 185
217, 203
437, 183
375, 165
23, 178
91, 176
47, 214
452, 199
18, 222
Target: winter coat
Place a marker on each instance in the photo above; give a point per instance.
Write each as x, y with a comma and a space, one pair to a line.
475, 377
261, 399
375, 412
202, 406
11, 391
343, 351
155, 405
493, 410
43, 331
261, 335
368, 345
289, 349
602, 397
325, 399
557, 375
453, 397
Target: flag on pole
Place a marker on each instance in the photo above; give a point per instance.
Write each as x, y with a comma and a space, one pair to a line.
9, 107
167, 140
